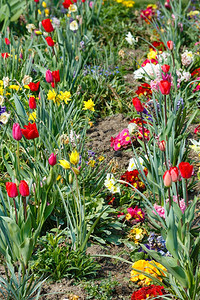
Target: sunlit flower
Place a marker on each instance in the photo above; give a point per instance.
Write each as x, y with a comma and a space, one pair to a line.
72, 8
26, 80
14, 87
73, 25
74, 157
64, 163
89, 105
32, 116
6, 81
110, 183
130, 39
4, 117
65, 96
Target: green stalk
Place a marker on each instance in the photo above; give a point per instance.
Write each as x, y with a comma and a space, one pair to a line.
18, 156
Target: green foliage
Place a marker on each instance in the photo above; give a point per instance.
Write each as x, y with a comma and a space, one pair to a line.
102, 291
55, 258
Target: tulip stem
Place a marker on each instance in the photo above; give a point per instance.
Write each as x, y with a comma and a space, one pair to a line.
165, 97
18, 155
24, 204
144, 136
34, 149
186, 192
15, 210
170, 203
177, 193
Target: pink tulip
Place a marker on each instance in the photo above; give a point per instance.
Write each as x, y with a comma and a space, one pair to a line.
49, 76
16, 132
52, 159
167, 179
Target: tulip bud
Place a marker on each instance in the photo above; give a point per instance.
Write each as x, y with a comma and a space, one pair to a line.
16, 132
11, 189
162, 145
170, 45
51, 178
7, 41
49, 41
165, 68
32, 103
21, 55
174, 174
137, 104
52, 159
49, 76
23, 188
70, 178
167, 179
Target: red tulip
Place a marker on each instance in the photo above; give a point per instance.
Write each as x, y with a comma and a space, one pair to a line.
47, 25
165, 68
30, 132
11, 189
34, 87
174, 173
170, 45
5, 55
165, 87
162, 145
52, 159
67, 3
7, 41
37, 1
23, 188
186, 169
32, 103
137, 104
167, 179
16, 132
56, 76
49, 41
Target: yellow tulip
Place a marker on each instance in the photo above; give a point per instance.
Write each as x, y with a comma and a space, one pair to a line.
74, 157
64, 163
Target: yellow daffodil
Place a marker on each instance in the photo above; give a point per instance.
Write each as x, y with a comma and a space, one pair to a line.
89, 105
32, 117
64, 163
74, 157
92, 163
65, 96
52, 95
14, 87
44, 4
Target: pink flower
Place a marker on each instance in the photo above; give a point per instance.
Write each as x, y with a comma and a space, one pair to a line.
160, 210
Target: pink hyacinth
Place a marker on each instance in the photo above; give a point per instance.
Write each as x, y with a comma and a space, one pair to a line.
160, 210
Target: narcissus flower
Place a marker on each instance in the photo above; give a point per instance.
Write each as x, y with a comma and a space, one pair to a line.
30, 132
11, 189
110, 183
64, 163
89, 105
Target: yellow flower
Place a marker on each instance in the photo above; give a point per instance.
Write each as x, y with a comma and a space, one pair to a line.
101, 158
39, 12
32, 117
152, 54
91, 163
44, 4
52, 95
26, 87
76, 171
14, 87
58, 178
1, 91
64, 163
151, 267
65, 96
46, 12
74, 157
128, 216
1, 82
89, 105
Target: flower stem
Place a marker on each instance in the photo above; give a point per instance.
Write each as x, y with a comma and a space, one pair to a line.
177, 193
170, 203
15, 210
24, 204
144, 136
165, 99
186, 192
18, 155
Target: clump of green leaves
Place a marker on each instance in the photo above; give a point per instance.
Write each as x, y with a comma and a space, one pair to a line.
103, 291
55, 258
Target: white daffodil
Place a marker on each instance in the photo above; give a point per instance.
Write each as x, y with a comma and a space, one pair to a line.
73, 25
130, 39
110, 183
1, 100
133, 164
4, 117
195, 146
6, 81
26, 80
132, 127
72, 8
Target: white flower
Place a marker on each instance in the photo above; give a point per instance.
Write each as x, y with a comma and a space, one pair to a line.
132, 127
6, 81
4, 117
133, 164
130, 39
187, 58
30, 27
55, 22
163, 57
26, 80
110, 183
1, 100
195, 146
149, 71
73, 25
72, 8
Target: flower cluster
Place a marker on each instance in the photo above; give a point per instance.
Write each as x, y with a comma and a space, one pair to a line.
148, 13
187, 58
122, 140
127, 3
161, 210
152, 268
137, 234
147, 292
59, 97
132, 177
